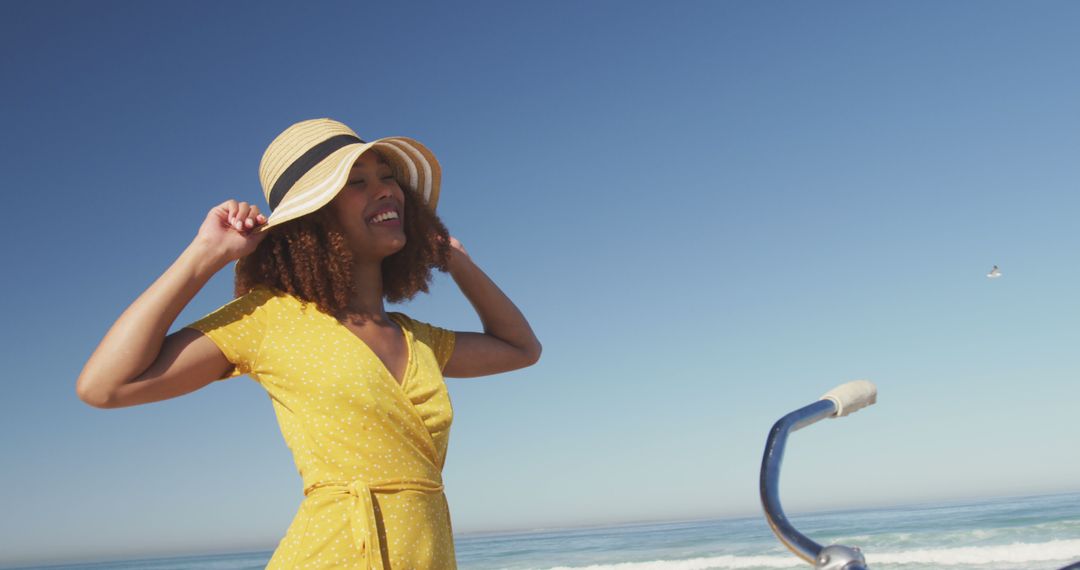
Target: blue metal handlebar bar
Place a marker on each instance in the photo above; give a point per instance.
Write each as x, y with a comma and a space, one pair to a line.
834, 557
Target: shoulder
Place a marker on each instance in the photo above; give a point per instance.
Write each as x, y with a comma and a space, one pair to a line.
271, 299
414, 325
260, 299
260, 294
254, 305
426, 333
441, 341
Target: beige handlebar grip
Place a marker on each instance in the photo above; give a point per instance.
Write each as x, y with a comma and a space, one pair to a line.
852, 396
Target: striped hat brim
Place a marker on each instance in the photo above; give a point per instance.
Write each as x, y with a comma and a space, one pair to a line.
413, 164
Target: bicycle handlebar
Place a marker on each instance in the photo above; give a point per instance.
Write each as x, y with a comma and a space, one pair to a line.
838, 402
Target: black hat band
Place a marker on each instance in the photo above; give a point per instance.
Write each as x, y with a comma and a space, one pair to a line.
306, 162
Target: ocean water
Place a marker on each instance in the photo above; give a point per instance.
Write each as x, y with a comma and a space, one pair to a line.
1028, 533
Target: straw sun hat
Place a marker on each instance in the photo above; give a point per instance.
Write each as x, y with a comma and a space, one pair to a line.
309, 162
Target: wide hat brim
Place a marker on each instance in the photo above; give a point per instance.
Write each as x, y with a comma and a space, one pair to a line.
413, 164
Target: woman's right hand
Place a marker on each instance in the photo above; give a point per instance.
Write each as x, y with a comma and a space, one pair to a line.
230, 230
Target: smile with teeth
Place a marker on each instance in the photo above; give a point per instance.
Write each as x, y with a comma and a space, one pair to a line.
389, 215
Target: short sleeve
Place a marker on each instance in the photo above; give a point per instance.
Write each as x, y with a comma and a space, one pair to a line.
440, 340
237, 328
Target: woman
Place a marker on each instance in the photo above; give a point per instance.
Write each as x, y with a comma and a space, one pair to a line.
358, 392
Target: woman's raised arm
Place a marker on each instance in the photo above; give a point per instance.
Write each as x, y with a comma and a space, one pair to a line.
136, 362
507, 343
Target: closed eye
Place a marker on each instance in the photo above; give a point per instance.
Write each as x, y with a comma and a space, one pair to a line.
359, 181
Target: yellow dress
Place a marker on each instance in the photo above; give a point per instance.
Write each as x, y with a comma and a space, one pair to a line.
370, 451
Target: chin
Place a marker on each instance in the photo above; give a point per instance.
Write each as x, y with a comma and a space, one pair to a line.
395, 247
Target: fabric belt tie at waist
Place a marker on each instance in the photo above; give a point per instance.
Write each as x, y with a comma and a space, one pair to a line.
365, 529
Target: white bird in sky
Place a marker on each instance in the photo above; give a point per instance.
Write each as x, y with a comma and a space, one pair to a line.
994, 273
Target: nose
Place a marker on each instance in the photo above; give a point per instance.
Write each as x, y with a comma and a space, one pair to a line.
387, 189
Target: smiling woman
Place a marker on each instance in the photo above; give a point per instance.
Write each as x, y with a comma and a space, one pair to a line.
370, 207
313, 256
358, 392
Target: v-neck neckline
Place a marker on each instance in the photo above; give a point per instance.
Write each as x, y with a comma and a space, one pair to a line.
405, 333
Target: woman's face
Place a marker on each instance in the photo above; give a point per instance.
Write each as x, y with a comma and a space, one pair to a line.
371, 209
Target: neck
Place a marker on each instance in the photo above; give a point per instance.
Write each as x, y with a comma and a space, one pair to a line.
367, 300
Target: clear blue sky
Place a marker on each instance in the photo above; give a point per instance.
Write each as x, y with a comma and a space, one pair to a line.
711, 212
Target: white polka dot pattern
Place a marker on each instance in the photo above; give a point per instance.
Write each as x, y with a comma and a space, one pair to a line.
370, 451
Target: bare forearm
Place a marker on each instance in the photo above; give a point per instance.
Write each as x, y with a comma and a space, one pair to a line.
135, 339
498, 314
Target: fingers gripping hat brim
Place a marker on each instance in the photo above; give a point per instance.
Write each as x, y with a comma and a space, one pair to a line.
413, 164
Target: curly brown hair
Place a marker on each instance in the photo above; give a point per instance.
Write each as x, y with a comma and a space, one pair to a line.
309, 258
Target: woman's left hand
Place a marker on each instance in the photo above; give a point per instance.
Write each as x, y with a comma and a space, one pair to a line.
507, 343
458, 255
